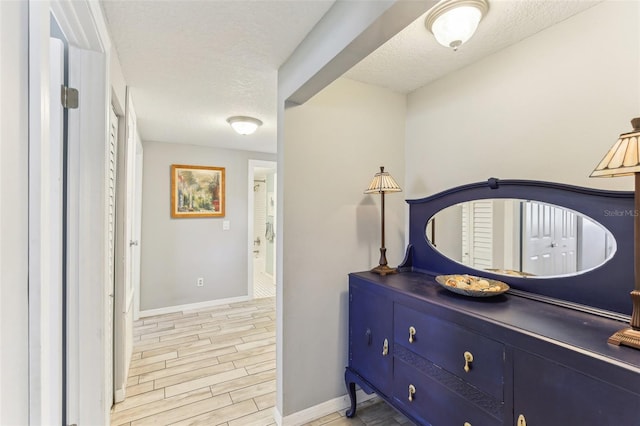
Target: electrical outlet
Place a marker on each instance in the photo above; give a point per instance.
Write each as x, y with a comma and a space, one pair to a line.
200, 282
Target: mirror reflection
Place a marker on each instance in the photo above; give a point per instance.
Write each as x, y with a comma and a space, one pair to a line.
520, 237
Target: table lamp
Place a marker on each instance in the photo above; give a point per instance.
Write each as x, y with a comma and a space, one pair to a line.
383, 182
622, 160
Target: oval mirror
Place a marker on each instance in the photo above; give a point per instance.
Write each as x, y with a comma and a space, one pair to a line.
520, 237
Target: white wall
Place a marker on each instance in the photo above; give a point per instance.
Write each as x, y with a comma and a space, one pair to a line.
175, 252
333, 145
14, 379
547, 108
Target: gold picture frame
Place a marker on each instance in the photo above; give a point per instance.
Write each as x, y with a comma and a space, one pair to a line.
197, 191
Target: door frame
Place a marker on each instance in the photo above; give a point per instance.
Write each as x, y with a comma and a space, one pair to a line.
250, 218
83, 24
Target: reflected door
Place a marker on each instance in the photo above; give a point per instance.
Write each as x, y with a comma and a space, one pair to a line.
477, 234
549, 239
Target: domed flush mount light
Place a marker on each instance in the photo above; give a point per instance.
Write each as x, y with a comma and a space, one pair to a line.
453, 22
244, 125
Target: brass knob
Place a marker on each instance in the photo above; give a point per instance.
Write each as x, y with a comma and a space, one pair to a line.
468, 359
412, 333
385, 347
466, 424
412, 391
521, 420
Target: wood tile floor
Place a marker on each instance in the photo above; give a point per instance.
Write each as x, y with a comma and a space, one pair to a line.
212, 367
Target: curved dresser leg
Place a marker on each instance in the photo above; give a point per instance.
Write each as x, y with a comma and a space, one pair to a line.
351, 390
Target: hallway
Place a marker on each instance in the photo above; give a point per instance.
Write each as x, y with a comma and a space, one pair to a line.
211, 366
215, 366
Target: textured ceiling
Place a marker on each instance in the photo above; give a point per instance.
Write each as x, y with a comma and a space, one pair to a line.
413, 58
191, 64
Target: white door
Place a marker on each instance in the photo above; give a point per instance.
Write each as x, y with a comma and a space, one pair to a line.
111, 244
127, 248
477, 234
46, 216
136, 230
549, 239
565, 242
89, 302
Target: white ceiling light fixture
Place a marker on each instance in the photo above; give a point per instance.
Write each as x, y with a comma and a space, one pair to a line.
453, 22
244, 125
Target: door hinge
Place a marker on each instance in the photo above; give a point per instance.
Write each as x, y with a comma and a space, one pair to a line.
69, 97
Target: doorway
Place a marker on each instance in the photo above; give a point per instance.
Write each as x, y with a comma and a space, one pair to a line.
262, 229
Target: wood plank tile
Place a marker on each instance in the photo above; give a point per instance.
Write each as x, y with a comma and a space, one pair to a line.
141, 329
185, 411
148, 346
245, 362
220, 416
138, 389
271, 341
242, 382
259, 418
225, 343
136, 371
164, 347
253, 391
247, 353
204, 381
265, 401
260, 367
138, 400
155, 407
211, 354
153, 359
132, 380
185, 322
172, 331
259, 336
188, 374
166, 317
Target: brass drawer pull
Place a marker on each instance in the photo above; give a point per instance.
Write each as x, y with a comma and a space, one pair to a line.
521, 420
412, 333
412, 391
385, 347
466, 424
468, 359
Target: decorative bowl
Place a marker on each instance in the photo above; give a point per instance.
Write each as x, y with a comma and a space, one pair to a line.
473, 286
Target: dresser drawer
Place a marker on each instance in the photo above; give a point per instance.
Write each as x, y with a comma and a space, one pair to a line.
474, 358
433, 403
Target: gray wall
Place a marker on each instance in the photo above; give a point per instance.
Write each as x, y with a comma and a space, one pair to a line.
175, 252
334, 144
547, 108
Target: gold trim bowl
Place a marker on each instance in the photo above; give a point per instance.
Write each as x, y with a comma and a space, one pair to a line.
473, 286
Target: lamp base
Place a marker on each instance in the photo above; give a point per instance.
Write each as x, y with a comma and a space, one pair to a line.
627, 337
384, 270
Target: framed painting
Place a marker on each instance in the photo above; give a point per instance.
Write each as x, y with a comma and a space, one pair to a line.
197, 191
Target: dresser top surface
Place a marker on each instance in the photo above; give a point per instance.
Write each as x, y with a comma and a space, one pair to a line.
579, 331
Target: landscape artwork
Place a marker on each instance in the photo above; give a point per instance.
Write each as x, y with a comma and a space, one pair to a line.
197, 191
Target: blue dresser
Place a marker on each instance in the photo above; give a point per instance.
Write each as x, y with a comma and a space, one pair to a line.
519, 358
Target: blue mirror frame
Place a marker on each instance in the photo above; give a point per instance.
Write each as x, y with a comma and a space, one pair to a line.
603, 290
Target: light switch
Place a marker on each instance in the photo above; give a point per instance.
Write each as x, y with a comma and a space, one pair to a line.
225, 225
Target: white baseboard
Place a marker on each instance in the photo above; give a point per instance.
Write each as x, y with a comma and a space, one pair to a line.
323, 409
190, 306
119, 395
